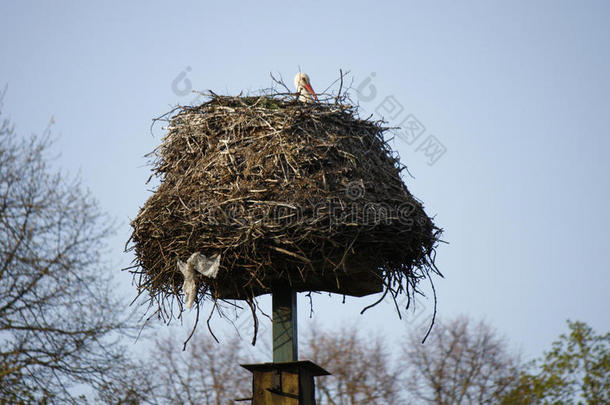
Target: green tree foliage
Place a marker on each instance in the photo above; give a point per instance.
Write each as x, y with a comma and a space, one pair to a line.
575, 371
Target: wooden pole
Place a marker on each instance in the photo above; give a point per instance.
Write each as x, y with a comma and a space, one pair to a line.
285, 344
286, 381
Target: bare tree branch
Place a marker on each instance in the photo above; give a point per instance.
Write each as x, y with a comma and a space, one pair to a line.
460, 363
60, 323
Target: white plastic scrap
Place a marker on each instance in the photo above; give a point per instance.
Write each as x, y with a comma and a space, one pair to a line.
197, 262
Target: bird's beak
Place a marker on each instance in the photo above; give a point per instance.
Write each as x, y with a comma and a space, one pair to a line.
310, 90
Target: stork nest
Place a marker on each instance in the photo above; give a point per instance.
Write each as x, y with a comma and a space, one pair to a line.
306, 195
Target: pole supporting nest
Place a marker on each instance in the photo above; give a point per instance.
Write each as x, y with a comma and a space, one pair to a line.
285, 342
286, 381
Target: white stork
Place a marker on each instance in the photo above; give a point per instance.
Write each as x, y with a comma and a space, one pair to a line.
303, 86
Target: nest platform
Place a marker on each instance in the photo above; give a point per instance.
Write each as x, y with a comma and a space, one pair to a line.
308, 196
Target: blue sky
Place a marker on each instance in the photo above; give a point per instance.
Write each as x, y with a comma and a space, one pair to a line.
517, 93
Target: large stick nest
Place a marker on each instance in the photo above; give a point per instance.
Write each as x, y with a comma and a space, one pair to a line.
288, 193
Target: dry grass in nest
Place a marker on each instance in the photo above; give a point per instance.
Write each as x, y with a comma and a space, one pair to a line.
288, 193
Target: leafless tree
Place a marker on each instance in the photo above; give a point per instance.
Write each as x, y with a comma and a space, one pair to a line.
460, 363
206, 373
133, 383
362, 369
209, 373
59, 320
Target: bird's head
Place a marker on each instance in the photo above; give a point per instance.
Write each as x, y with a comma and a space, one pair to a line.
303, 86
